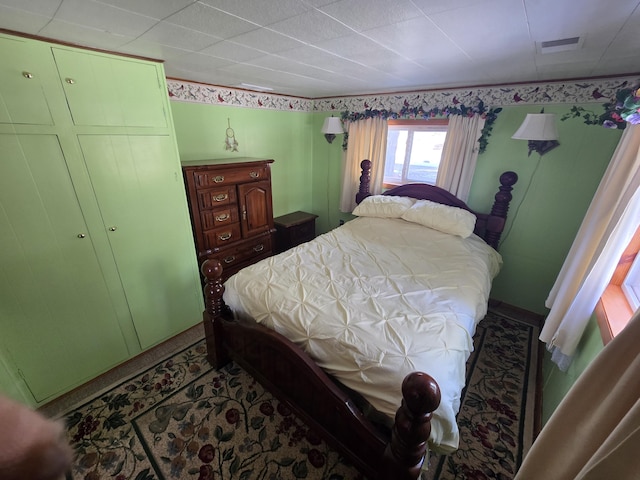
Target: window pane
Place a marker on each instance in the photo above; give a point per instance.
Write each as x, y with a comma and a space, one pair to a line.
413, 152
426, 151
396, 152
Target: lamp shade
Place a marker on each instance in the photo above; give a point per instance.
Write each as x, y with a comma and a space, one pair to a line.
537, 126
332, 125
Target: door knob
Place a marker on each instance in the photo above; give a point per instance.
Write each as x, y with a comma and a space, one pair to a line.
113, 229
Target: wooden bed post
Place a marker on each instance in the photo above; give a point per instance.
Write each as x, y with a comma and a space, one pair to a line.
500, 207
406, 452
212, 315
365, 181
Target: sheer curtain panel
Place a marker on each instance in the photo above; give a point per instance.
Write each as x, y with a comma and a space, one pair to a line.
367, 140
609, 224
459, 154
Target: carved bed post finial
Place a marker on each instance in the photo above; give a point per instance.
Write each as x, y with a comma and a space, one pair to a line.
408, 447
501, 204
365, 181
212, 315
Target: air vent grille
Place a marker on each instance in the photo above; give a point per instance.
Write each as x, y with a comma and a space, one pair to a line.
560, 45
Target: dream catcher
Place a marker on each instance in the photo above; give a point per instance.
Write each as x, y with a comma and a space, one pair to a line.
230, 143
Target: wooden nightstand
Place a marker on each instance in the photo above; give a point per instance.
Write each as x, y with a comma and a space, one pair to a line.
293, 229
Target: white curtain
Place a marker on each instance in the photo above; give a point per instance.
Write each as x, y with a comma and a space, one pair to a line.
606, 230
594, 433
459, 154
367, 140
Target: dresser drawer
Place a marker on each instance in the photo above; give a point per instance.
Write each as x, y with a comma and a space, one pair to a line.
205, 179
244, 254
216, 197
220, 237
219, 217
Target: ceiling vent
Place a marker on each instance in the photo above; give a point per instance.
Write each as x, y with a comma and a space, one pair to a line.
560, 45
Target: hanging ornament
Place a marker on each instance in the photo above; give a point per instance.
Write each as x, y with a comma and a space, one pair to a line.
230, 142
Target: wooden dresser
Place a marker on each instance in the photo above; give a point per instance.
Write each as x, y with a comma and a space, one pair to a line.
231, 211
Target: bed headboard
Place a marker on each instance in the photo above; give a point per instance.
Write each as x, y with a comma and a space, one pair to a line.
489, 226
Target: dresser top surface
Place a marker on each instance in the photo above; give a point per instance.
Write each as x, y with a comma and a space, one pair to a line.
225, 162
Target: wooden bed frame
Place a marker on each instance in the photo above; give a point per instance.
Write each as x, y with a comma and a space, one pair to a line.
287, 372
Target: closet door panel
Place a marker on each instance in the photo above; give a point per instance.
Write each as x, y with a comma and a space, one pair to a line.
111, 92
57, 323
138, 185
22, 98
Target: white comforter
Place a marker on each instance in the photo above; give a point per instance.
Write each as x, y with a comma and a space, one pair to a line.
375, 300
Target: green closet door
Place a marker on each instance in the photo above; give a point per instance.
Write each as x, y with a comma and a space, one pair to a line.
111, 92
22, 100
57, 324
138, 183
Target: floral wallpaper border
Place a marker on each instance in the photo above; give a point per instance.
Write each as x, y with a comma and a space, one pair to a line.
562, 92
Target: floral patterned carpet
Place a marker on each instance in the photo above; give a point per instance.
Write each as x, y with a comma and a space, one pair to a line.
180, 419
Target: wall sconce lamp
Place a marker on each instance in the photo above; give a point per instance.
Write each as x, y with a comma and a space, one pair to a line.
540, 130
332, 126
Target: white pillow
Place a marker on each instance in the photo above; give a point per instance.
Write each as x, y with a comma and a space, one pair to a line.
383, 206
445, 218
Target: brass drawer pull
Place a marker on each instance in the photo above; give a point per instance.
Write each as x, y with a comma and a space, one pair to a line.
225, 236
258, 248
27, 75
218, 179
229, 259
222, 217
254, 174
70, 81
221, 197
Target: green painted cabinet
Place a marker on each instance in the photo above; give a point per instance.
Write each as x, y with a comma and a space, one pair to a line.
22, 98
97, 259
111, 92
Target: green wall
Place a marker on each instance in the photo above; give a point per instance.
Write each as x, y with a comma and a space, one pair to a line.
286, 137
556, 384
549, 201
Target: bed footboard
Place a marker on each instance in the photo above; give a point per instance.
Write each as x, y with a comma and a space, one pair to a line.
285, 370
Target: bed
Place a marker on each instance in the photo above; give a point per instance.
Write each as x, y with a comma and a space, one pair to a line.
365, 331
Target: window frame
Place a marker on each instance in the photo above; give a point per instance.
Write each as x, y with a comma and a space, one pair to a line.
436, 122
613, 310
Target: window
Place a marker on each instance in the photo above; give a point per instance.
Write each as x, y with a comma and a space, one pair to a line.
631, 284
414, 148
615, 308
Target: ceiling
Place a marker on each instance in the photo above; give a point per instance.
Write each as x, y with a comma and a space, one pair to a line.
327, 48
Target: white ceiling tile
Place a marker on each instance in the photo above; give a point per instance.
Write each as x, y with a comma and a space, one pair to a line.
40, 7
557, 19
83, 36
102, 17
353, 46
260, 12
266, 40
21, 21
487, 37
208, 20
413, 38
179, 37
232, 51
364, 15
151, 8
311, 27
198, 62
143, 48
430, 7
